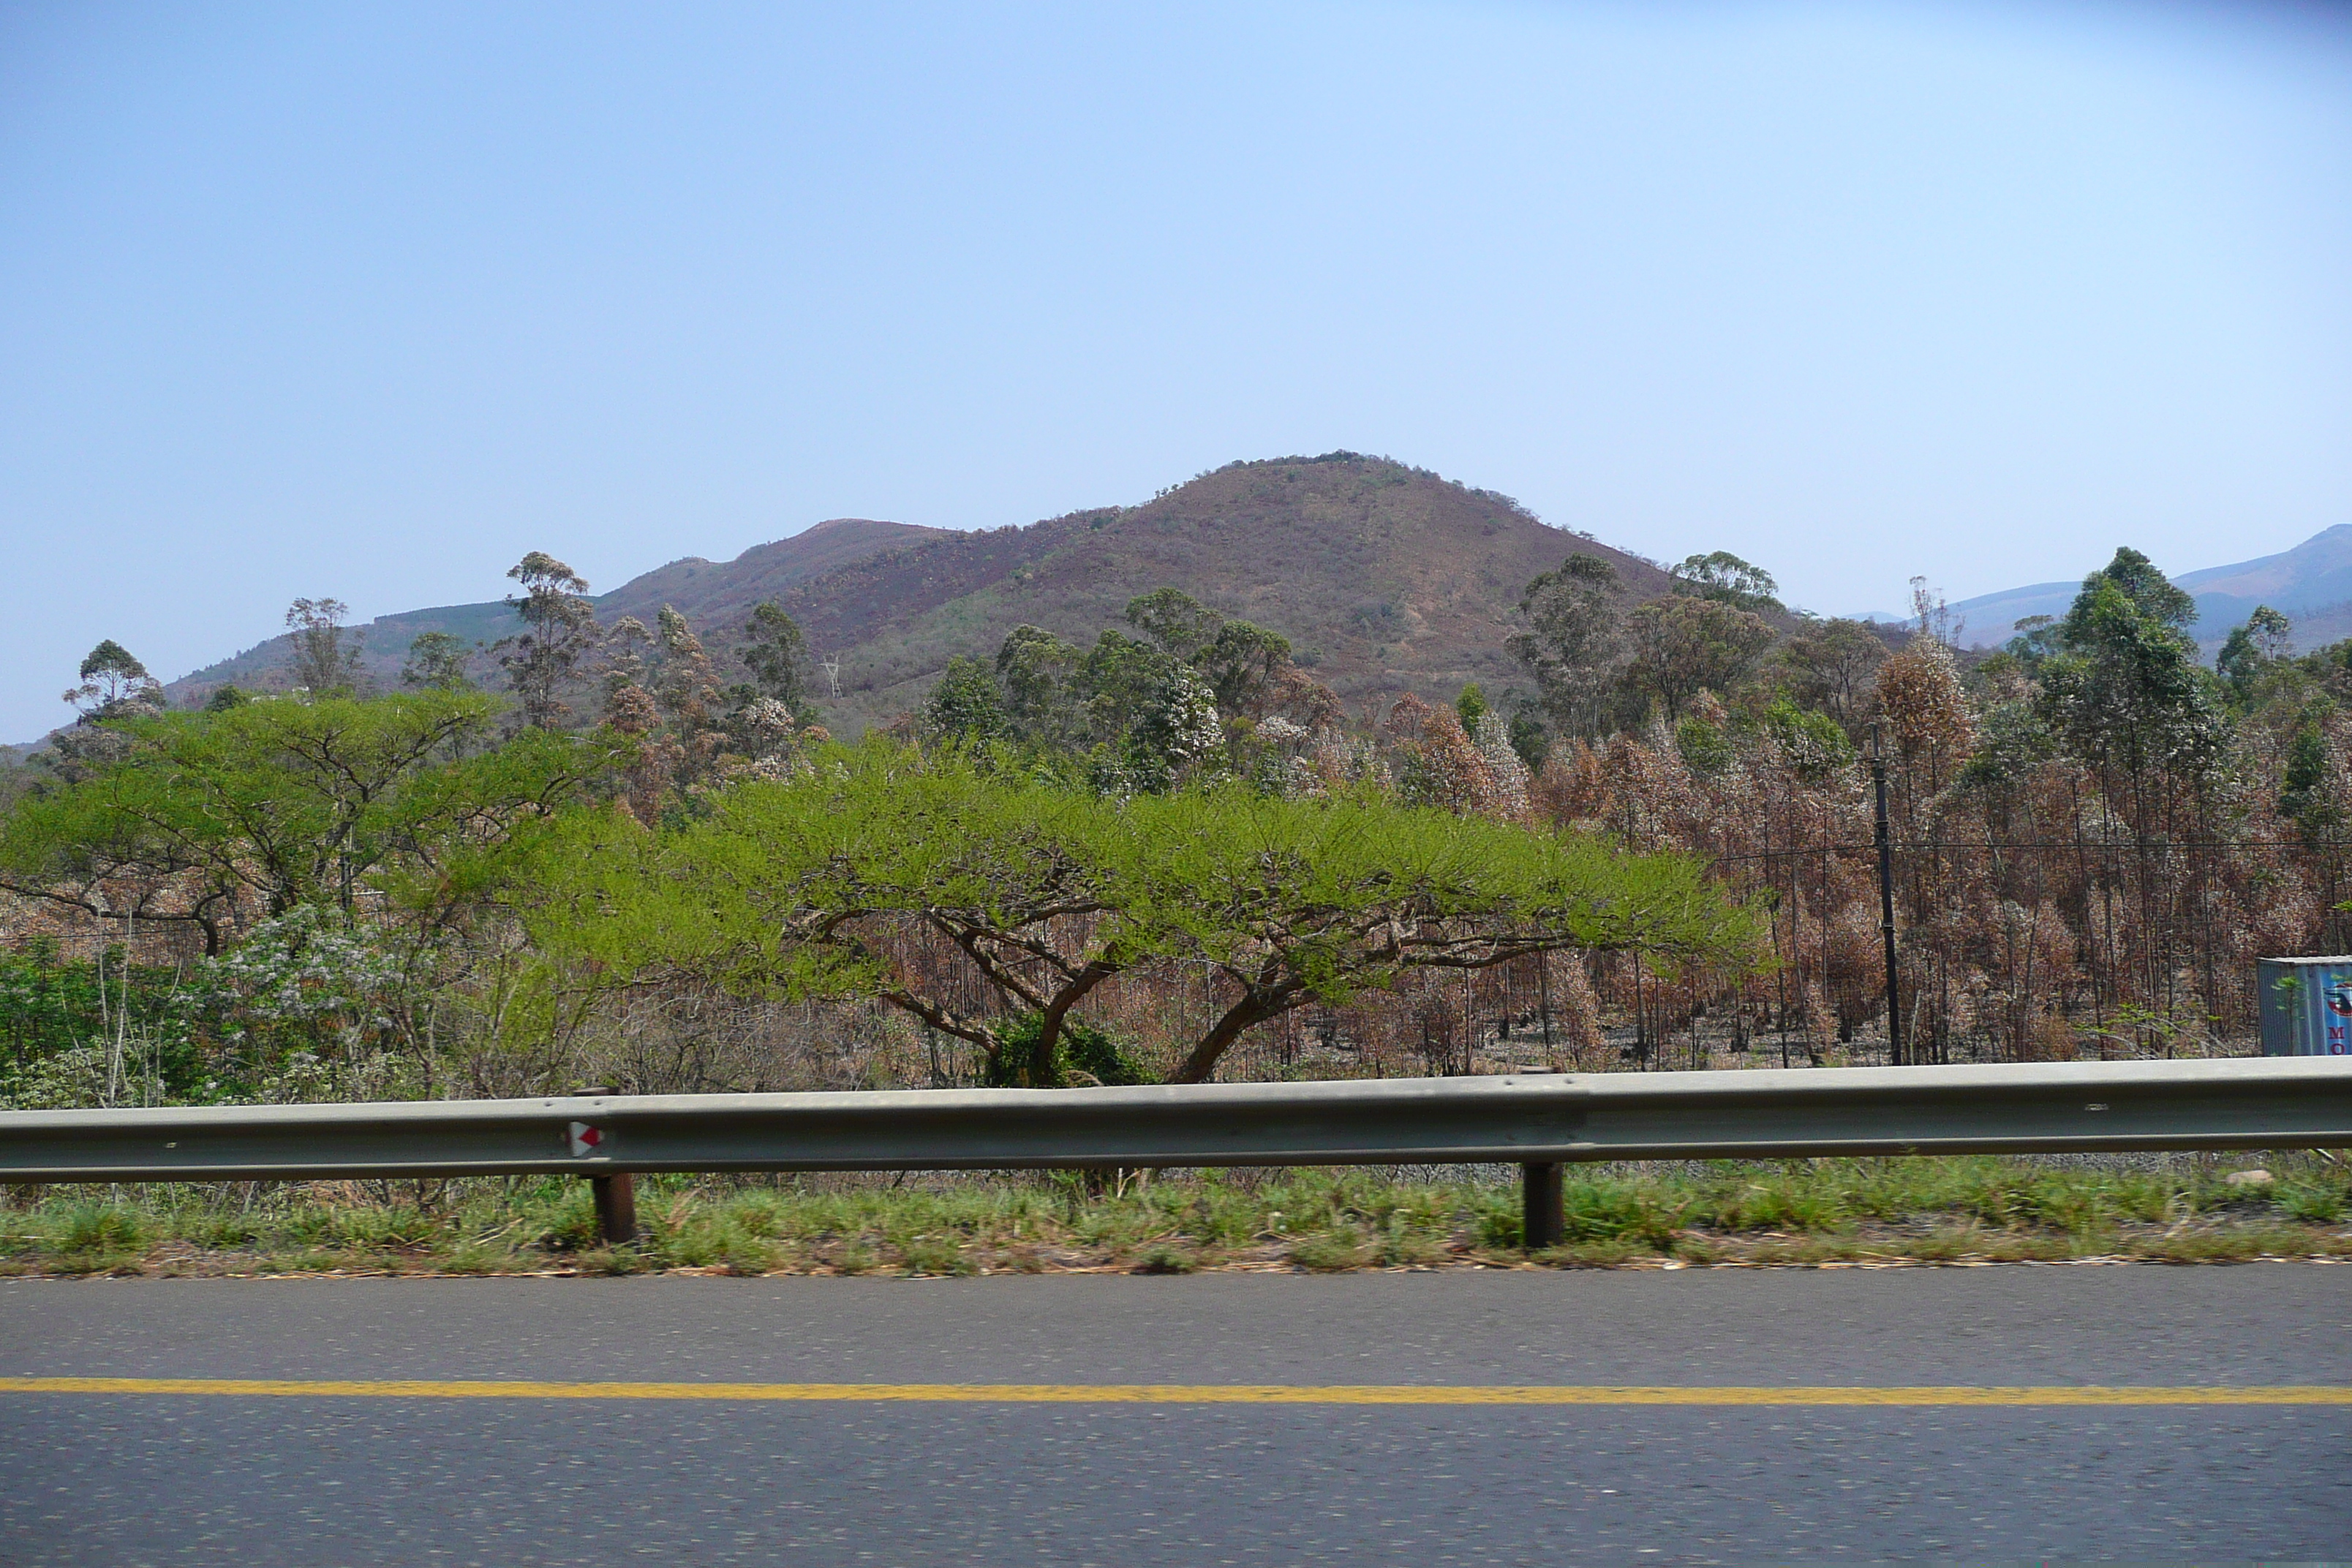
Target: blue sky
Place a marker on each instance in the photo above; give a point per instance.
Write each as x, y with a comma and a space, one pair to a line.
369, 299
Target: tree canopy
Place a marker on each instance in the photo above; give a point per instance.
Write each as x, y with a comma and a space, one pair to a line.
811, 887
1726, 578
287, 803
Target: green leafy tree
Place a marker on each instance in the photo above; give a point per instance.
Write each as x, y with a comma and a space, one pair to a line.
1724, 577
114, 687
1811, 745
1040, 676
2304, 797
1175, 620
1122, 678
1154, 715
285, 804
1470, 705
804, 888
1531, 741
776, 653
2252, 651
1240, 664
2036, 640
2129, 695
437, 661
112, 678
1683, 647
1238, 661
965, 705
1829, 665
1704, 744
1174, 732
2013, 739
326, 652
2149, 593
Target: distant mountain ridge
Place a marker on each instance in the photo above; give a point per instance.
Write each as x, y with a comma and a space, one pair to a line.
2311, 584
690, 584
1385, 578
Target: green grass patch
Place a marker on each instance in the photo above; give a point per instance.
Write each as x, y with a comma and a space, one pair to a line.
1788, 1213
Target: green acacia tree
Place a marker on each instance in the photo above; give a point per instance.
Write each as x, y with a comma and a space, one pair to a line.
805, 888
284, 804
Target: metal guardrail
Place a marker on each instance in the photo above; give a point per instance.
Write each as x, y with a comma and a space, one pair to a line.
1535, 1120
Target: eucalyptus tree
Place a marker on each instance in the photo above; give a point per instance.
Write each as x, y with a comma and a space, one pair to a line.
775, 651
1831, 664
110, 677
1682, 646
2127, 693
1570, 640
114, 686
437, 661
326, 652
559, 627
2253, 654
1722, 576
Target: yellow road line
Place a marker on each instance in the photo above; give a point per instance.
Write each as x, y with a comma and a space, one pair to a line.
1171, 1393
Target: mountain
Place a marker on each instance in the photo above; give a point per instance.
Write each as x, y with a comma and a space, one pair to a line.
2311, 583
2304, 583
1385, 578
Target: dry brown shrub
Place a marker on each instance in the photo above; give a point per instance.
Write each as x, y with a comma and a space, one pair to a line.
2049, 1037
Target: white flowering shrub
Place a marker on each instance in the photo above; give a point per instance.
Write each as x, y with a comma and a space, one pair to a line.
313, 1008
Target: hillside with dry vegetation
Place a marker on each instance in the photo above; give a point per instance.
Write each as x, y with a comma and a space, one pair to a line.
1321, 767
1385, 579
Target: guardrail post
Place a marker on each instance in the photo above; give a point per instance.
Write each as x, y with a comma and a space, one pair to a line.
616, 1198
1543, 1216
616, 1207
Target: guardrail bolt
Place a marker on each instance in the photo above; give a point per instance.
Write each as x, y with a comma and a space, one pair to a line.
1543, 1217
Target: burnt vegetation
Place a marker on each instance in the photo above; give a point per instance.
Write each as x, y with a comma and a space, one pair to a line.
1312, 767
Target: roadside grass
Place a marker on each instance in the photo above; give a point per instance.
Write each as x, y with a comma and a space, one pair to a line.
2175, 1209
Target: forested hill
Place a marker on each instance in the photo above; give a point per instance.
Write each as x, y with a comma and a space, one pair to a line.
1385, 578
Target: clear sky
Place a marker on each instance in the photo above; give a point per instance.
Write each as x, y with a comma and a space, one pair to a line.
367, 300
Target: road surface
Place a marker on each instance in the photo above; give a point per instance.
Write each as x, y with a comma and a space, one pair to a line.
1250, 1442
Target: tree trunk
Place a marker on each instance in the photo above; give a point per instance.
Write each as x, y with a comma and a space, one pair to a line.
1255, 1008
1041, 1072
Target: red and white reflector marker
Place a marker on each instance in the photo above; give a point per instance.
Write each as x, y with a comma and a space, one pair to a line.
585, 1140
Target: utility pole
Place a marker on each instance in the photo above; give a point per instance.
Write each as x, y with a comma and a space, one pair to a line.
1895, 1052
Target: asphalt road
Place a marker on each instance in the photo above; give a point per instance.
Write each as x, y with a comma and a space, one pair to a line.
155, 1477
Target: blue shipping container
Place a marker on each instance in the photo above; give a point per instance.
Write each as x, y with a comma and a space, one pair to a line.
2307, 1006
